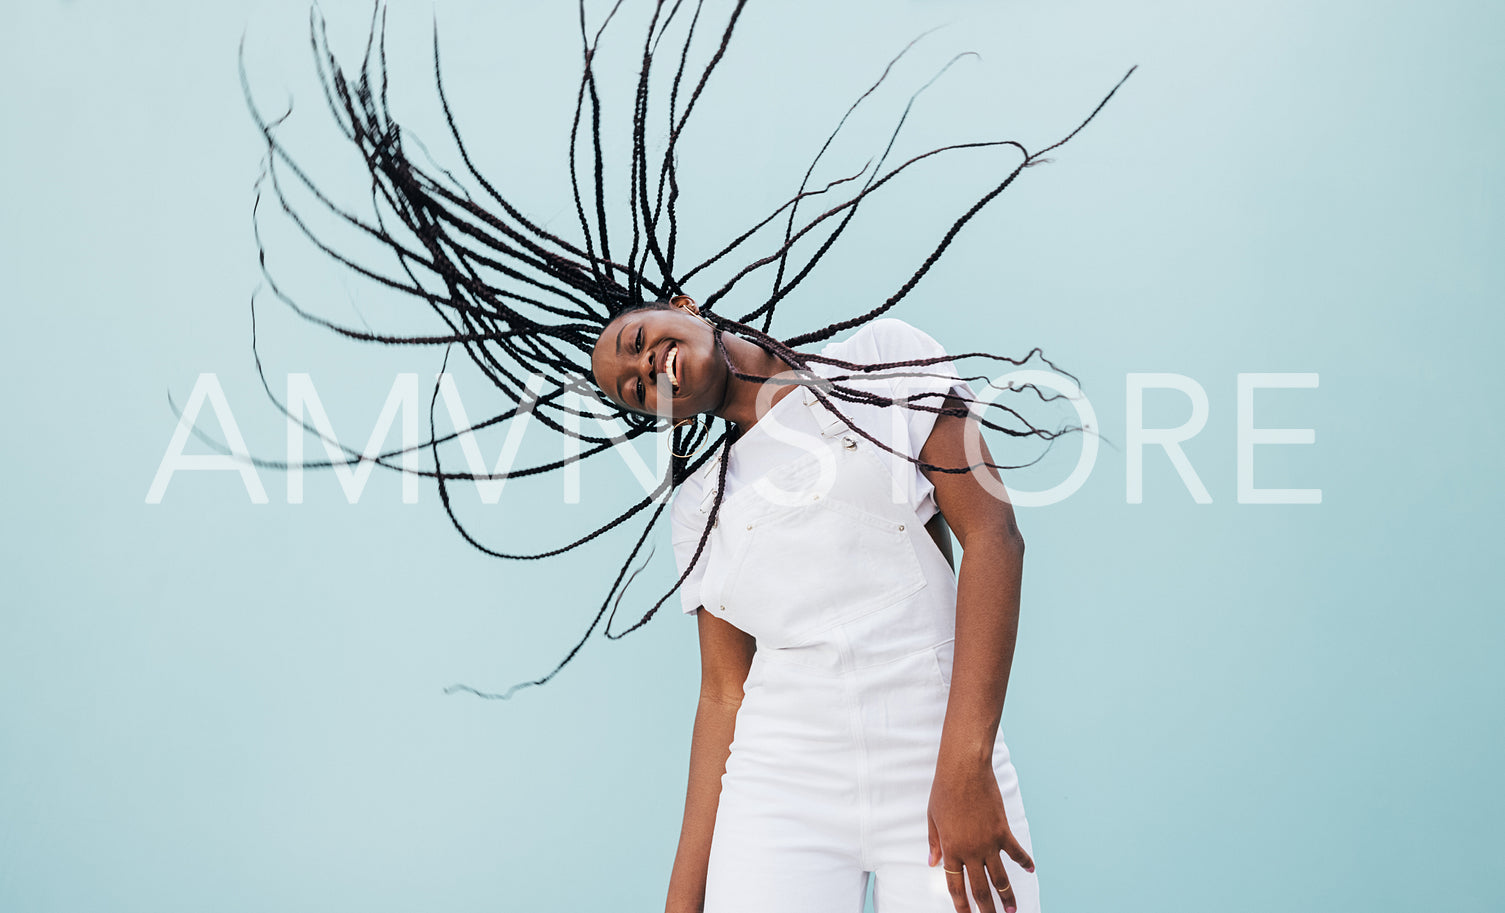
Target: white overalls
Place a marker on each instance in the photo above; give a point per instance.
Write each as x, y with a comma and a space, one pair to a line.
820, 552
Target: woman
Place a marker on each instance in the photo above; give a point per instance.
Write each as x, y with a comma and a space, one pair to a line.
826, 605
827, 611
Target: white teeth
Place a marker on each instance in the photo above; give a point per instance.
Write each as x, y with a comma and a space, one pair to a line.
671, 367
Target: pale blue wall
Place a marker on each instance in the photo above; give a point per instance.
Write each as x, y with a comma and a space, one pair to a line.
210, 705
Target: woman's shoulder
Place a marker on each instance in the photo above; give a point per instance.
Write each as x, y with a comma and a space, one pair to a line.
896, 339
885, 339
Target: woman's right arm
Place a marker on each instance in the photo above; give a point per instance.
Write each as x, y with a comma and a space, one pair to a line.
725, 657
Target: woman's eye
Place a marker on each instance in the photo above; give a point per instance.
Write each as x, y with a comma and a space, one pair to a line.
640, 392
640, 339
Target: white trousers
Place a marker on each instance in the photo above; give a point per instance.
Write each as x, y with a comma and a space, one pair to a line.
829, 779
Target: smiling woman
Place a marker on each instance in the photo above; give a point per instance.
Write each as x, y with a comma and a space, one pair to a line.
864, 679
667, 338
669, 342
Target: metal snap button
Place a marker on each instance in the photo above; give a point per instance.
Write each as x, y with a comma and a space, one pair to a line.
848, 443
901, 526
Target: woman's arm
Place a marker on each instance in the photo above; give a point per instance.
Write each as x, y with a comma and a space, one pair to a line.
968, 828
725, 656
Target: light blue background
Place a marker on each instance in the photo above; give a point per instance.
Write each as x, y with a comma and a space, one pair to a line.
210, 705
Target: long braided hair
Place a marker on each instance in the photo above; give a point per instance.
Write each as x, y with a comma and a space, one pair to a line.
526, 303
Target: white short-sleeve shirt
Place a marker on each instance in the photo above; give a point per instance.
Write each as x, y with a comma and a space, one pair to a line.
781, 435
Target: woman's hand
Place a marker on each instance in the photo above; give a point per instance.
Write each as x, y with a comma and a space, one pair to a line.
969, 835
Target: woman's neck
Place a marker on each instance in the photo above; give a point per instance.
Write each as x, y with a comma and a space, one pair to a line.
740, 407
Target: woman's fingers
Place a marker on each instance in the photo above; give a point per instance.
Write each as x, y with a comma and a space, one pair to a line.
982, 892
956, 883
971, 879
1017, 853
1000, 880
978, 879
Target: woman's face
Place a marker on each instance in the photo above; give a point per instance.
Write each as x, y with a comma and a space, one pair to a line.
639, 346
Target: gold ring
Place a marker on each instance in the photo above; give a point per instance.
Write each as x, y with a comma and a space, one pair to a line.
950, 872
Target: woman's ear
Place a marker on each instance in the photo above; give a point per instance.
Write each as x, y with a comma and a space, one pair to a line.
687, 303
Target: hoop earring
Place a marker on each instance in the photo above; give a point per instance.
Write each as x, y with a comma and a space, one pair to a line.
696, 422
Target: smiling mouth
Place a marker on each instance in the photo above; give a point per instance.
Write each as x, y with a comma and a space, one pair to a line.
671, 365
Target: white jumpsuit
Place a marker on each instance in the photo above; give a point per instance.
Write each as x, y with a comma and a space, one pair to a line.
820, 552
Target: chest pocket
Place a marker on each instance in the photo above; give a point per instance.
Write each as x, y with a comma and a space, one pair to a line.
809, 547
